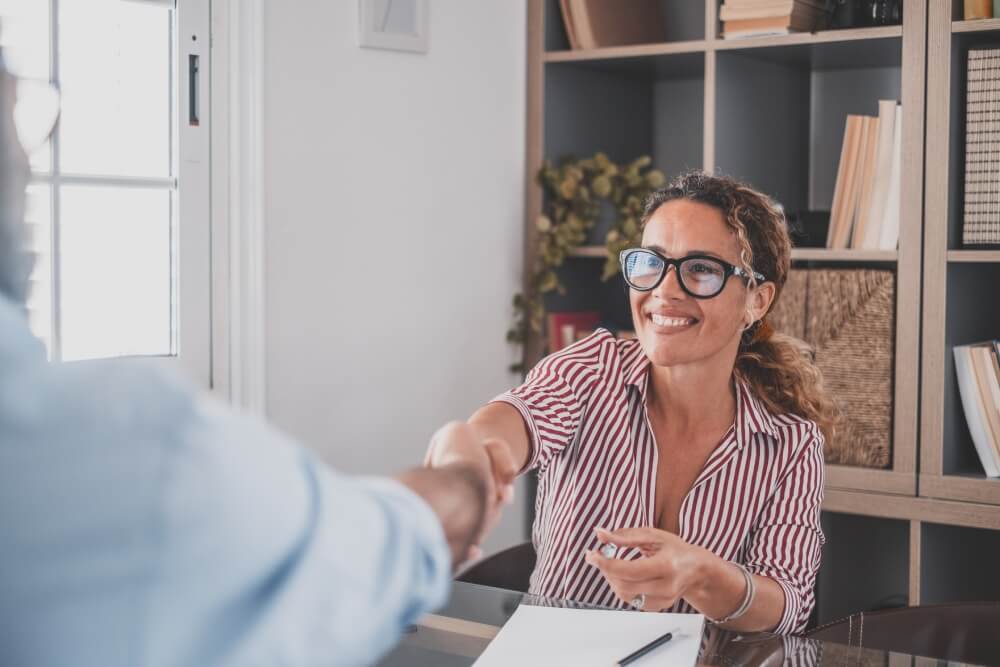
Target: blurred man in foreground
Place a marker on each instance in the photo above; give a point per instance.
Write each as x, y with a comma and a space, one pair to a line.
144, 525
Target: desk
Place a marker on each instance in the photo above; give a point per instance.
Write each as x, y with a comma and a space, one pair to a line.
457, 634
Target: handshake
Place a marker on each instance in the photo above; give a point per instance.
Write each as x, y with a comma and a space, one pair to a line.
487, 469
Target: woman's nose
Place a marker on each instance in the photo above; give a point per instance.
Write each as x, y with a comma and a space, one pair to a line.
670, 286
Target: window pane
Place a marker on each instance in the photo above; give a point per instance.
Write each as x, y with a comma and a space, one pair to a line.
24, 36
116, 269
114, 70
38, 215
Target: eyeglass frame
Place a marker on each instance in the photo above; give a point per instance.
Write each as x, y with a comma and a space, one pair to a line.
729, 270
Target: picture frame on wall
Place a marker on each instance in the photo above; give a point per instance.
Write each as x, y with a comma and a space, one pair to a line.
396, 25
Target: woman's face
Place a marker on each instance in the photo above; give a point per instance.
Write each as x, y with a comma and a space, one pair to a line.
675, 328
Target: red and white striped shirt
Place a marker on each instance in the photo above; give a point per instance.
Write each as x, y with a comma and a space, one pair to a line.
756, 501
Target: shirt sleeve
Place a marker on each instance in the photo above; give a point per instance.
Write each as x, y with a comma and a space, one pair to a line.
553, 397
787, 544
270, 557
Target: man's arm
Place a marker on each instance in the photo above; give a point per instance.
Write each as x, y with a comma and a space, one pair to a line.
265, 552
457, 494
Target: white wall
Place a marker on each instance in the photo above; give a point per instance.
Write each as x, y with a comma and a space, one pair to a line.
394, 198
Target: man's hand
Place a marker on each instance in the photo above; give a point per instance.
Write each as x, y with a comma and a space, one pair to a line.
458, 443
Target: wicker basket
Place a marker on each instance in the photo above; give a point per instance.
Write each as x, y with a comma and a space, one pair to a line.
848, 317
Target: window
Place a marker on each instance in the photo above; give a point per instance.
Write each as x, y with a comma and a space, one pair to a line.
118, 204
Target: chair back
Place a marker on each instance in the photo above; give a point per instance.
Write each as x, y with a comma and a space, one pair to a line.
967, 632
510, 569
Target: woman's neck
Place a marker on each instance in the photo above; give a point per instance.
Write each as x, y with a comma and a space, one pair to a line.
694, 396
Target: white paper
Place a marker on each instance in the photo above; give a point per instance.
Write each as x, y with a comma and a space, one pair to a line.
584, 637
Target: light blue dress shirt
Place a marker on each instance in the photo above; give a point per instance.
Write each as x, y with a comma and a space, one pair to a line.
142, 525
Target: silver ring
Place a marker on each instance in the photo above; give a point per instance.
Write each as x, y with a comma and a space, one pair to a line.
638, 602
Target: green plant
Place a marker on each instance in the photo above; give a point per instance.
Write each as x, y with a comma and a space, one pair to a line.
573, 192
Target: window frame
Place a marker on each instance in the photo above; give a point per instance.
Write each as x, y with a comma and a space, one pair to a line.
189, 181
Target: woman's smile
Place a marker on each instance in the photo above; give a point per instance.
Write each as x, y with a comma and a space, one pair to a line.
670, 322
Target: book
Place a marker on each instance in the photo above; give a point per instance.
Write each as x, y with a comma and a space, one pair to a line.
840, 211
797, 11
563, 327
601, 23
568, 24
889, 232
978, 9
974, 406
885, 145
766, 24
989, 389
867, 165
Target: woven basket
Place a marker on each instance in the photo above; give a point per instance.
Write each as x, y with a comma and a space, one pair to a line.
848, 317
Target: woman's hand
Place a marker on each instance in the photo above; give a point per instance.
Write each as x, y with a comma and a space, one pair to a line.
670, 568
458, 442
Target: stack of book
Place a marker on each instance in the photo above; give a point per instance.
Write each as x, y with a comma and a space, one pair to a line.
978, 369
981, 221
754, 18
865, 211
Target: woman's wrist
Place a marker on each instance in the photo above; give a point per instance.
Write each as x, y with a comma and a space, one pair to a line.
718, 587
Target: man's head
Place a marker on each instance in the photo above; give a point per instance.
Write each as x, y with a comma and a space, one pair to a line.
15, 258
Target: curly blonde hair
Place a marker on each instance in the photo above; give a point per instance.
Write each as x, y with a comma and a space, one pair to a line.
779, 369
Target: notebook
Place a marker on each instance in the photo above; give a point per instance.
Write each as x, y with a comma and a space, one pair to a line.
583, 637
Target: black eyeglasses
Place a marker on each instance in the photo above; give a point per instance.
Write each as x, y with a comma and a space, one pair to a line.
701, 276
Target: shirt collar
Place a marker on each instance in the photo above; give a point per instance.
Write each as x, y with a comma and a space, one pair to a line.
751, 415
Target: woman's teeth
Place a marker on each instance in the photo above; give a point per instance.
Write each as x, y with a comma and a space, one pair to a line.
661, 321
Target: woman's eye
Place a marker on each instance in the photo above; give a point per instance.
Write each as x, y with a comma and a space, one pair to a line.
703, 268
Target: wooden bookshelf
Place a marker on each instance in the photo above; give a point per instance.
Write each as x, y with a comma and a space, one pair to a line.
688, 103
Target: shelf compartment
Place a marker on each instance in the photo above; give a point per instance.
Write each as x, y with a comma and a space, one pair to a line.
969, 287
958, 564
865, 566
798, 117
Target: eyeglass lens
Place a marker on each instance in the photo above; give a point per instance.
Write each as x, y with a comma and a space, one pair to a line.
698, 276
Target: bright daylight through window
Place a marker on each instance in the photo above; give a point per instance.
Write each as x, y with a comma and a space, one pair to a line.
104, 201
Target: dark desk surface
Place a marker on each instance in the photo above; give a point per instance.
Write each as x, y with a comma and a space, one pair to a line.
458, 634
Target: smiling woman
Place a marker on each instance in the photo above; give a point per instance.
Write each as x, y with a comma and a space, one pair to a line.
693, 454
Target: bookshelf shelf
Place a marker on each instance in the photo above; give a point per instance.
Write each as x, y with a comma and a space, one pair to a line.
798, 254
974, 255
973, 488
635, 51
828, 255
592, 251
808, 38
982, 25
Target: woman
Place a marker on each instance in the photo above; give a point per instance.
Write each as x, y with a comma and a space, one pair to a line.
694, 454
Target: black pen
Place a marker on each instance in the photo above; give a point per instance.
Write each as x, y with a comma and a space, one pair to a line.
651, 646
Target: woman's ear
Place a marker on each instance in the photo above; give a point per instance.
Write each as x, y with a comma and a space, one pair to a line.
759, 300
